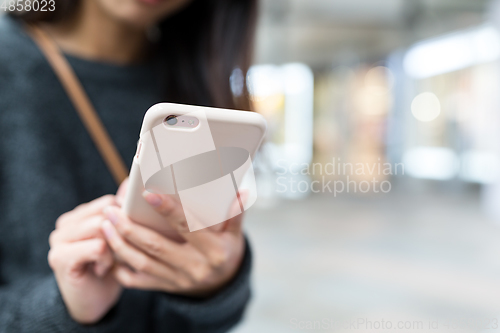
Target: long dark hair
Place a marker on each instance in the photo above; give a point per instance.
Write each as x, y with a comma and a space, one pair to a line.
201, 45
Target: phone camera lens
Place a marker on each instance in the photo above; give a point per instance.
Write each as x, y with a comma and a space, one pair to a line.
171, 120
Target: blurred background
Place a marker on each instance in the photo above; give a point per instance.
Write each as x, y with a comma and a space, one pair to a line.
379, 182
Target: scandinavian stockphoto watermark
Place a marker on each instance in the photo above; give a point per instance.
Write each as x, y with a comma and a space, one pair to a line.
362, 324
337, 176
385, 324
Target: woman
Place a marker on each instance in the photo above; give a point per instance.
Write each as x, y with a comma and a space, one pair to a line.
128, 55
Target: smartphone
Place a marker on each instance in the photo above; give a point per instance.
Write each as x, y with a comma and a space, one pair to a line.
172, 134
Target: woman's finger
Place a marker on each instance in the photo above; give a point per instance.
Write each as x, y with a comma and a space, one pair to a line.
188, 261
138, 280
73, 257
208, 242
90, 228
169, 207
150, 241
136, 259
85, 210
189, 264
234, 225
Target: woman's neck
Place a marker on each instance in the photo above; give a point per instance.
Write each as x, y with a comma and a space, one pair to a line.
93, 35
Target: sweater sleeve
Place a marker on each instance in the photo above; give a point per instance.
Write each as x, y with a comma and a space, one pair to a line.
216, 314
35, 305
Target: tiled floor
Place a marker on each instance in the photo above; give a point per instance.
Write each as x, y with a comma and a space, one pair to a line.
410, 255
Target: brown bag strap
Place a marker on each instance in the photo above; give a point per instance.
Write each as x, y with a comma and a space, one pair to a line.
81, 102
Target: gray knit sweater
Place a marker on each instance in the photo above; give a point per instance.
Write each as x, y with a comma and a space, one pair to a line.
49, 165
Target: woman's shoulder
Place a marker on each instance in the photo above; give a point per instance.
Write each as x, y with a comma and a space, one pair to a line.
11, 30
16, 48
20, 67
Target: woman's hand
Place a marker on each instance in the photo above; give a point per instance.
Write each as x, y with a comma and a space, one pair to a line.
201, 265
82, 262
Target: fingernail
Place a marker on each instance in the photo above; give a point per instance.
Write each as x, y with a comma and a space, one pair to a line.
153, 199
109, 232
108, 211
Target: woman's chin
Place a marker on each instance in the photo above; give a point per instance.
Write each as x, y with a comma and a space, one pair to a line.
141, 13
151, 2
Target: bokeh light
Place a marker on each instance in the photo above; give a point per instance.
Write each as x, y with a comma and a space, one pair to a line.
426, 107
